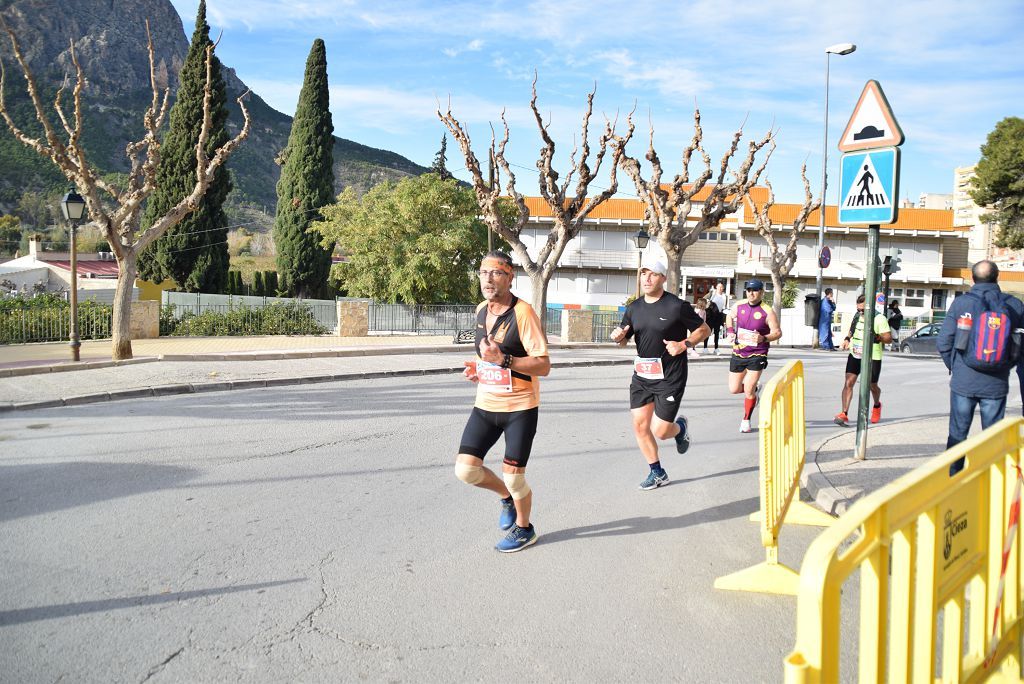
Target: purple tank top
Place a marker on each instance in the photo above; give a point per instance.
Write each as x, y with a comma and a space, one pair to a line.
751, 318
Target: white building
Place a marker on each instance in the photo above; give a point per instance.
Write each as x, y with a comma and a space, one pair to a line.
51, 271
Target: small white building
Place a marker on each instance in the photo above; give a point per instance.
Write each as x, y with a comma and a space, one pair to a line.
51, 271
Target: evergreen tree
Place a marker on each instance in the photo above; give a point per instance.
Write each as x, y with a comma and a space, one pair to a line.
306, 184
195, 252
257, 284
999, 183
440, 159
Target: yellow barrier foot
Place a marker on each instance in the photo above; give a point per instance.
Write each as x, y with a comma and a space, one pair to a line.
800, 513
766, 578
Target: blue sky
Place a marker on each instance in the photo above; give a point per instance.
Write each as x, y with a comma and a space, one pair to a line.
950, 71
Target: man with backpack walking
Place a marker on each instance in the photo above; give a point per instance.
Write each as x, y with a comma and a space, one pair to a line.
979, 344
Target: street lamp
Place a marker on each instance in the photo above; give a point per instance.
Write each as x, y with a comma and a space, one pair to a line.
837, 49
73, 207
641, 239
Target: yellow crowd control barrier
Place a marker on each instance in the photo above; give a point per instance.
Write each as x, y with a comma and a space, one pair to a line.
783, 435
929, 550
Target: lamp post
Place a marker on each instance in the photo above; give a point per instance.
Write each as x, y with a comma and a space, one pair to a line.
73, 207
641, 239
837, 49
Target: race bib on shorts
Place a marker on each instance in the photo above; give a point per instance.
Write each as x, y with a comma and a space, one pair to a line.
857, 350
746, 338
648, 369
493, 378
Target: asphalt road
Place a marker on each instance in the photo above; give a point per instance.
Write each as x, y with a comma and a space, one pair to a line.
317, 533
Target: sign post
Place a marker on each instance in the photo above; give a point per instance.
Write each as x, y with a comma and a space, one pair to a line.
869, 195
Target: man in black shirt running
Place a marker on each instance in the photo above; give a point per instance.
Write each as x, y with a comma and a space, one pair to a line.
665, 327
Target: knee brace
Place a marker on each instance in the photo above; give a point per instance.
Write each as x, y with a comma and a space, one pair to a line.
517, 487
470, 474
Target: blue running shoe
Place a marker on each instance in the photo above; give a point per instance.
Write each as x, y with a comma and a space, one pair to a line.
508, 514
654, 480
517, 539
683, 438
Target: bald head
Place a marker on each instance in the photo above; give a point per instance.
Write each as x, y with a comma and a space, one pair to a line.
985, 272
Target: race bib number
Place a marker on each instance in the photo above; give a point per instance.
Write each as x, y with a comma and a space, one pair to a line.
648, 369
857, 349
746, 338
493, 378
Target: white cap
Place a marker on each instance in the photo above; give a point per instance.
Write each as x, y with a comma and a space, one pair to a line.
653, 263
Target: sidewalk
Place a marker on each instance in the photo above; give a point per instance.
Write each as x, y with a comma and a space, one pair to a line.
171, 365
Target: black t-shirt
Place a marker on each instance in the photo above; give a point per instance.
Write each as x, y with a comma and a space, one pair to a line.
669, 318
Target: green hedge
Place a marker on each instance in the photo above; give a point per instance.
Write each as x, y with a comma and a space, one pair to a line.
274, 319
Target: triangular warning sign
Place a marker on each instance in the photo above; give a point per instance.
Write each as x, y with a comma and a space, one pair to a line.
872, 124
867, 190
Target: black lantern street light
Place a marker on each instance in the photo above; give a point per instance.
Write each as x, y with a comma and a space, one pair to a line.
73, 207
641, 239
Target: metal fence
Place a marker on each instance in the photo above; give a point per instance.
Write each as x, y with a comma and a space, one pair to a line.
176, 305
421, 319
604, 323
53, 324
553, 321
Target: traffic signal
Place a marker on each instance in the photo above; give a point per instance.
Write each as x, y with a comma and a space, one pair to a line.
891, 262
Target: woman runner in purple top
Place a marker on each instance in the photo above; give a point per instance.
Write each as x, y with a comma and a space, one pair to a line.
751, 326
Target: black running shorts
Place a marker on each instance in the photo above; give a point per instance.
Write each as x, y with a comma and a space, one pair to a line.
853, 366
666, 397
485, 427
738, 364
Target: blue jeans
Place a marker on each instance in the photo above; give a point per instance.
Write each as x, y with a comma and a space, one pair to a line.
961, 415
825, 335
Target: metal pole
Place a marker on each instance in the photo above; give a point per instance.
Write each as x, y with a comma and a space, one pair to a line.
868, 342
75, 342
639, 263
815, 342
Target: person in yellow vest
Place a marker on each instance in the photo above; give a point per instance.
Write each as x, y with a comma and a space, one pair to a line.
855, 342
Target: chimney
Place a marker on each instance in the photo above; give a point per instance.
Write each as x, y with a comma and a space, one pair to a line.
34, 247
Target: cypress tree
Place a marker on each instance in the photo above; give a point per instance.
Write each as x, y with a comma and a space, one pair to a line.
257, 284
306, 184
195, 252
440, 159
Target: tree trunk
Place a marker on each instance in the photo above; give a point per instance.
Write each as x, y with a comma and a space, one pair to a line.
674, 258
777, 285
540, 298
121, 330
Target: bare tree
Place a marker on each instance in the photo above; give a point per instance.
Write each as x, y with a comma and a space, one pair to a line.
119, 218
668, 206
781, 259
569, 210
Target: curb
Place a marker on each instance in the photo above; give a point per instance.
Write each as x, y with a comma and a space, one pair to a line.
66, 366
222, 386
824, 495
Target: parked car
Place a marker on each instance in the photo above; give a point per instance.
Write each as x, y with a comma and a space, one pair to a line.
921, 341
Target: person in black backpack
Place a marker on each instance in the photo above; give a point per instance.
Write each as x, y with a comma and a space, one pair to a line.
979, 344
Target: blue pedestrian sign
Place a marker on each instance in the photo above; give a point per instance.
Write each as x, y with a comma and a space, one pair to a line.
869, 187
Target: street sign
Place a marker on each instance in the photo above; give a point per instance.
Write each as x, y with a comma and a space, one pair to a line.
825, 258
872, 124
868, 187
880, 301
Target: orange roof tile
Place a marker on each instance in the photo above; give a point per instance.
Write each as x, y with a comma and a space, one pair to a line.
965, 273
906, 219
617, 208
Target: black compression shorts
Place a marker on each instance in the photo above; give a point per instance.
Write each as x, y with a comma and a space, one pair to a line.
666, 397
485, 427
853, 366
738, 364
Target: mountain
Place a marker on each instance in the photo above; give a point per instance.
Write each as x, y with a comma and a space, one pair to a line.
110, 43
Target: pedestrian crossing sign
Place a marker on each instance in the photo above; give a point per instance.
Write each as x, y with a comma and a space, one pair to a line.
869, 187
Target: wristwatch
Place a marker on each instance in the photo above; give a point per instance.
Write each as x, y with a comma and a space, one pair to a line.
688, 344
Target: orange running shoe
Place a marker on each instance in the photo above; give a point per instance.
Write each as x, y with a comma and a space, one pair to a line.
876, 413
841, 419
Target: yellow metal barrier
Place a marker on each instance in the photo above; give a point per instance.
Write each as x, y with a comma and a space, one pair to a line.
928, 548
783, 447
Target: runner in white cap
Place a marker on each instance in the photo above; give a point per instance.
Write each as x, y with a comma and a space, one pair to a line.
664, 327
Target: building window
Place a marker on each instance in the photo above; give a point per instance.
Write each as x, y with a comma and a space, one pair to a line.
915, 298
730, 236
703, 236
938, 299
897, 292
712, 236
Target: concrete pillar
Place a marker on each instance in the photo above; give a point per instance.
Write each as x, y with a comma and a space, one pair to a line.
577, 325
353, 317
145, 320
